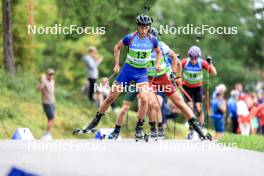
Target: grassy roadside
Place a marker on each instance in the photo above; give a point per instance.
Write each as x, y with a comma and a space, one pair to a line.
20, 107
253, 142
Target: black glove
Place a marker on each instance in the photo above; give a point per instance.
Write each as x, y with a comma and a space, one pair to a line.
173, 76
209, 59
179, 56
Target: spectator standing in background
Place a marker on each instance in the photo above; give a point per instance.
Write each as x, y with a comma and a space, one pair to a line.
92, 62
218, 110
243, 115
239, 88
47, 89
232, 109
218, 89
252, 104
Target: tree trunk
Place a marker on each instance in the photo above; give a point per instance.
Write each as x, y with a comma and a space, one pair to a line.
8, 41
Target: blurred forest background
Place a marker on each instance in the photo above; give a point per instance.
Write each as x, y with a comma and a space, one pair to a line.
233, 54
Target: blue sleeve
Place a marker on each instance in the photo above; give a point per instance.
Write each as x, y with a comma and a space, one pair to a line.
155, 42
215, 106
126, 39
232, 109
168, 60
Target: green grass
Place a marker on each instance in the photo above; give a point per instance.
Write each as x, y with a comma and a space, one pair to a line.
253, 142
20, 106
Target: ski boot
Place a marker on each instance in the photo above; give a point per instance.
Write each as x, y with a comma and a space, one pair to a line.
113, 135
153, 135
90, 128
161, 133
202, 132
140, 135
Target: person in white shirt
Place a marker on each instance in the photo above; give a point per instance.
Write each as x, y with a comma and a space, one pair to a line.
243, 115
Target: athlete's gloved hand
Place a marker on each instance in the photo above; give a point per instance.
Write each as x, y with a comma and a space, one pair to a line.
209, 59
176, 78
173, 76
116, 68
178, 56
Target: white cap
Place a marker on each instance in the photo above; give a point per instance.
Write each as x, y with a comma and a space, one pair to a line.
234, 93
220, 88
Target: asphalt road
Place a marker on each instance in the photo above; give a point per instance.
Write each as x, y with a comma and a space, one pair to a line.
126, 157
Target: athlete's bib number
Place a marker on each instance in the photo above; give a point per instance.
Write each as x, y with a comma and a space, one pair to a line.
141, 55
193, 75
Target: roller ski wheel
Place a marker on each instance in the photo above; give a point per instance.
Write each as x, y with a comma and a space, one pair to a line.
103, 137
153, 139
206, 136
137, 139
153, 136
141, 137
76, 131
161, 138
79, 131
209, 136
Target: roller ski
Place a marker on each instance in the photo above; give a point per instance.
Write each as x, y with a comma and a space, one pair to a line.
161, 133
202, 132
140, 135
90, 128
79, 131
153, 135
